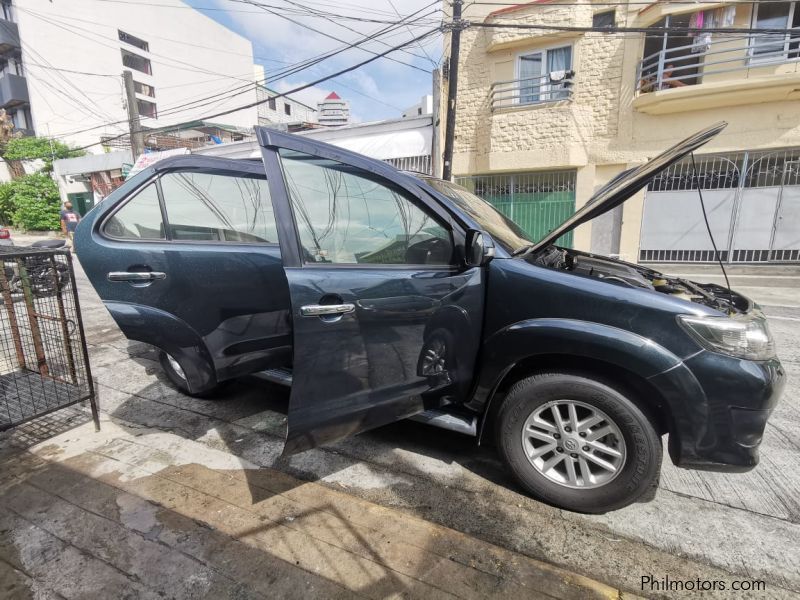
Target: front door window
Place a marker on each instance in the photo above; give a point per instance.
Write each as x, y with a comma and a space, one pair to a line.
345, 216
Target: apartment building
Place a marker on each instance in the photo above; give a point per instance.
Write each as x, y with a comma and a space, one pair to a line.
61, 67
545, 117
333, 111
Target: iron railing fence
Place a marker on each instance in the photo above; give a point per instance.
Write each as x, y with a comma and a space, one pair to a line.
44, 363
536, 201
733, 170
697, 62
417, 164
754, 199
553, 87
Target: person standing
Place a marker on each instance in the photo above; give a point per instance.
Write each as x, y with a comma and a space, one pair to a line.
69, 222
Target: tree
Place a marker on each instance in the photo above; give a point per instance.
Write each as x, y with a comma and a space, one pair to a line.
32, 148
31, 202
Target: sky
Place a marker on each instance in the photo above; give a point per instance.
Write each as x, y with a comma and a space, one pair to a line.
379, 90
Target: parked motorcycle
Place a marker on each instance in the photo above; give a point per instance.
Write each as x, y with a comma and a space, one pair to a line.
43, 279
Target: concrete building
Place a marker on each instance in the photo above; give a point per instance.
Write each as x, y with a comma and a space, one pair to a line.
61, 66
280, 111
545, 117
333, 111
424, 107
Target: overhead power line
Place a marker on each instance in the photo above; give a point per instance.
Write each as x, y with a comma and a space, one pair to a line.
651, 30
300, 88
325, 34
230, 93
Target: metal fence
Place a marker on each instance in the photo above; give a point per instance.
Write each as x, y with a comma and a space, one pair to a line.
44, 363
536, 201
418, 164
753, 202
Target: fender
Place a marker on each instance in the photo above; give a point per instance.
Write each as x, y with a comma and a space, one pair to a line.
624, 349
170, 334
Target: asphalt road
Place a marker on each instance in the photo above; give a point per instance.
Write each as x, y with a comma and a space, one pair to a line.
698, 526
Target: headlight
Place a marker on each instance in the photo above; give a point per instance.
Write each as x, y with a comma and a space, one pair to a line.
746, 336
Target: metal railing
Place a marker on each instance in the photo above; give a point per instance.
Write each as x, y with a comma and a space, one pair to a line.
553, 87
697, 62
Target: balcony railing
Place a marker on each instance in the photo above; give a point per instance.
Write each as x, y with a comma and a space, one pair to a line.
716, 60
553, 87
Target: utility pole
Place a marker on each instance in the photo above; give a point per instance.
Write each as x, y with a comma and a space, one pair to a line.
452, 90
137, 139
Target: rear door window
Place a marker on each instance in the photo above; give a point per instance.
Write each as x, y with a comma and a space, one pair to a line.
139, 218
217, 207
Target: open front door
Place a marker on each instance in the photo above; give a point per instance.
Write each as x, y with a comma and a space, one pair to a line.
386, 319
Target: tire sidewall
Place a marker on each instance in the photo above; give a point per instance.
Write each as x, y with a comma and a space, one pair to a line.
642, 444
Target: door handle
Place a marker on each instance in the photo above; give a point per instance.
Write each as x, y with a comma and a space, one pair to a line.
320, 310
136, 276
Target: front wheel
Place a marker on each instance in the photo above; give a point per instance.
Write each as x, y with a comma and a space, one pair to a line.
577, 443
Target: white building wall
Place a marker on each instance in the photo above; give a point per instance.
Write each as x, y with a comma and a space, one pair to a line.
192, 57
422, 108
298, 112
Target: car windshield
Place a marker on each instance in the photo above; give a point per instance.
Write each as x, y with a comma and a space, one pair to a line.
502, 229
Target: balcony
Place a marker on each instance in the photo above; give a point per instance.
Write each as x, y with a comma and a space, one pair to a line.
13, 91
728, 71
531, 91
9, 36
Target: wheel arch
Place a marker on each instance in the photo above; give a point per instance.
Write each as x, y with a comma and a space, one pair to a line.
654, 376
640, 391
170, 334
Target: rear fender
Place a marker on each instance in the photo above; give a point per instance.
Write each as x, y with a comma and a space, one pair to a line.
170, 334
677, 387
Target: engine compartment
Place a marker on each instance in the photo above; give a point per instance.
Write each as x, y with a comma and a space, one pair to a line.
626, 274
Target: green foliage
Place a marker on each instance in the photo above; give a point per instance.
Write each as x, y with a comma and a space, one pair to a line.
31, 202
31, 148
6, 203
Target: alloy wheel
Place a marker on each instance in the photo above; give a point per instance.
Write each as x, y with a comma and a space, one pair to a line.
574, 444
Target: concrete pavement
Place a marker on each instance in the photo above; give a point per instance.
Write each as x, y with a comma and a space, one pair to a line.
698, 526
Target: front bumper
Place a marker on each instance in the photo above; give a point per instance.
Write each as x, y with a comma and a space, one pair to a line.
720, 406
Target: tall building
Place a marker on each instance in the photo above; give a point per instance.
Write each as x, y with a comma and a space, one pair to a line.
333, 111
545, 117
61, 67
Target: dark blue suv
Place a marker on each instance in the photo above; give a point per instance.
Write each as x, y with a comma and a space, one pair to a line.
380, 295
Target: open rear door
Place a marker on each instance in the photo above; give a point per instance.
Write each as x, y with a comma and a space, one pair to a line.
386, 319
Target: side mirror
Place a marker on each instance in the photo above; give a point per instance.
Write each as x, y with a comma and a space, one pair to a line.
479, 248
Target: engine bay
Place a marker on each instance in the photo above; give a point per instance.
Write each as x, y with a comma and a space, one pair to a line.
626, 274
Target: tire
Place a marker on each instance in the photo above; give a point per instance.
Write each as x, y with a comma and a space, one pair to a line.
627, 441
178, 379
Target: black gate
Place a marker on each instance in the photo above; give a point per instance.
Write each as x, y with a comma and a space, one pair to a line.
44, 362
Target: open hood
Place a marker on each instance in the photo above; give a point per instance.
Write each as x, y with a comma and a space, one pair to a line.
627, 183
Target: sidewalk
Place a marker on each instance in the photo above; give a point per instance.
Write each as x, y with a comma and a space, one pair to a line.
133, 512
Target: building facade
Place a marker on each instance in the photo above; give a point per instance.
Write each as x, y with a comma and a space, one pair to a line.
282, 110
424, 107
61, 67
333, 111
546, 116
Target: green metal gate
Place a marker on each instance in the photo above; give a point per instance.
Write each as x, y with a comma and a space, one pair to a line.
536, 201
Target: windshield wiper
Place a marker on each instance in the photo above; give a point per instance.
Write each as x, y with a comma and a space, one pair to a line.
523, 250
